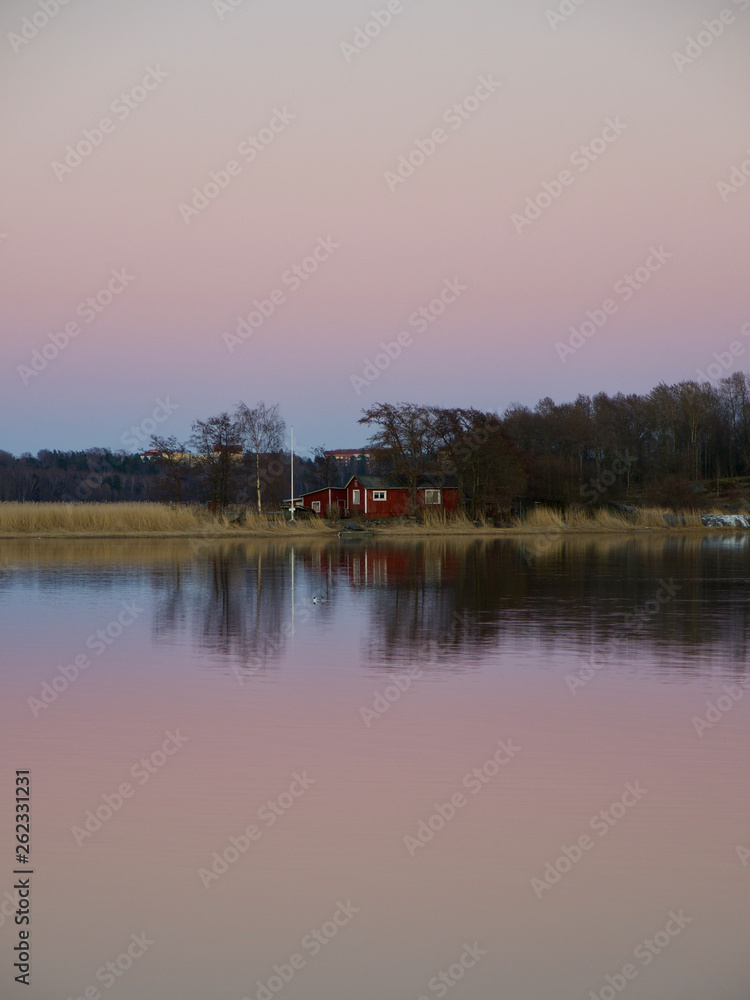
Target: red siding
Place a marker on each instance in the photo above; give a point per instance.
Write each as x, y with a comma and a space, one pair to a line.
328, 497
449, 499
397, 501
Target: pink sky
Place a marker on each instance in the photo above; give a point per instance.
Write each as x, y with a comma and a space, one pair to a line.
221, 75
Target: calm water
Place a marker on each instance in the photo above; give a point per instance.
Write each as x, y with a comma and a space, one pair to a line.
361, 771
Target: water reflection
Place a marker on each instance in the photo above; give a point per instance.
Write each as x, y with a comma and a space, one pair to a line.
446, 602
496, 624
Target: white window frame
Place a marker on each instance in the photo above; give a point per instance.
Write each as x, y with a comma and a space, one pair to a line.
433, 503
316, 506
355, 498
379, 494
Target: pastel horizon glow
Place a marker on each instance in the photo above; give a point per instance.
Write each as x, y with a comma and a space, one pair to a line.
533, 89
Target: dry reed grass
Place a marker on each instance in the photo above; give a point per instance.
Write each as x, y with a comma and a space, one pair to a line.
138, 519
128, 519
550, 521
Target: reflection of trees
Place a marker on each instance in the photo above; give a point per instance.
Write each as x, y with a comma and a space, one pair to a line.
479, 596
445, 602
234, 600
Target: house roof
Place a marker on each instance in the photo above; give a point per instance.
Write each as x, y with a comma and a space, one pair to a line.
389, 483
321, 489
401, 483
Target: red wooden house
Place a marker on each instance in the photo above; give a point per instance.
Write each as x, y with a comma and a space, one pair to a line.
324, 500
380, 496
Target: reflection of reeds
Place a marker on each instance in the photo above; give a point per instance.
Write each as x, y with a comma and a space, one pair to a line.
155, 553
152, 552
604, 545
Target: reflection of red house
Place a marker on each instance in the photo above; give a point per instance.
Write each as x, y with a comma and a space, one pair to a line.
392, 564
380, 496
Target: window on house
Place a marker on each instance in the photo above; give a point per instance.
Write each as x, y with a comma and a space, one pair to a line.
316, 506
355, 497
432, 496
378, 494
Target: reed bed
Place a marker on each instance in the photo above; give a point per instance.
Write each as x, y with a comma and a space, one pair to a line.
436, 522
277, 524
128, 519
547, 520
140, 519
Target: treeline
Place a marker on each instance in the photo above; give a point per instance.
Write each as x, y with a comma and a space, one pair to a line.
93, 474
231, 458
97, 474
660, 447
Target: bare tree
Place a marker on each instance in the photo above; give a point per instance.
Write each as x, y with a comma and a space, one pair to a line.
217, 442
262, 428
173, 465
326, 467
475, 448
405, 438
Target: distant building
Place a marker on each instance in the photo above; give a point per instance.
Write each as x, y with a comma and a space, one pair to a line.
347, 454
175, 456
235, 450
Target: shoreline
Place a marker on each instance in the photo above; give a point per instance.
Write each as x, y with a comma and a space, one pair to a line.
390, 533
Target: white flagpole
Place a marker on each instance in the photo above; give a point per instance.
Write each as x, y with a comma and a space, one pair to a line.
291, 516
